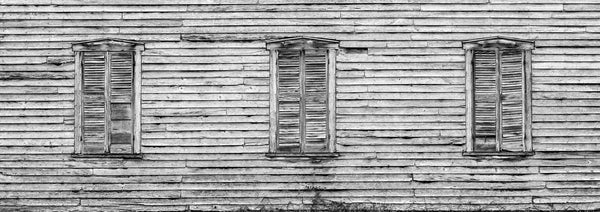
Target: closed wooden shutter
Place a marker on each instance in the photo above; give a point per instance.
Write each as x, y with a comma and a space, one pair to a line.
94, 102
498, 79
316, 100
121, 102
512, 100
484, 66
289, 97
302, 99
107, 102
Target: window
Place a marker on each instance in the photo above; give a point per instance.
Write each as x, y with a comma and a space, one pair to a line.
498, 102
107, 97
302, 96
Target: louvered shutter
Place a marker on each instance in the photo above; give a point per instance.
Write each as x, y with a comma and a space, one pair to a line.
288, 97
94, 102
315, 100
302, 101
107, 102
511, 70
121, 99
485, 80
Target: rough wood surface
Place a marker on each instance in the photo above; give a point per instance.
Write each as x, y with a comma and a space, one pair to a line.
400, 106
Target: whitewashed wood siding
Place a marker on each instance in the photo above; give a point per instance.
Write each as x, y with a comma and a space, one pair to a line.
205, 105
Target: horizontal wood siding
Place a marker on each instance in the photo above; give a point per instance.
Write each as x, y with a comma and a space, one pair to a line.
205, 106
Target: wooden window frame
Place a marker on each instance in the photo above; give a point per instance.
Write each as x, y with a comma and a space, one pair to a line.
302, 43
109, 45
498, 43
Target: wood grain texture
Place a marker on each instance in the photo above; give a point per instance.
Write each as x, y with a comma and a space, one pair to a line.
204, 82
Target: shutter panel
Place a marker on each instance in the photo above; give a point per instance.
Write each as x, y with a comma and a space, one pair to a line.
288, 97
512, 100
484, 68
121, 99
316, 100
94, 102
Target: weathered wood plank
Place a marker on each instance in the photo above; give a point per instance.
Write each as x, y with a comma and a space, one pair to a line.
206, 104
400, 111
17, 150
207, 142
407, 95
400, 73
400, 81
206, 119
397, 119
415, 51
206, 60
206, 67
399, 133
400, 170
207, 134
78, 37
85, 7
215, 50
35, 97
565, 117
193, 97
42, 111
493, 7
30, 127
400, 103
393, 66
221, 89
181, 127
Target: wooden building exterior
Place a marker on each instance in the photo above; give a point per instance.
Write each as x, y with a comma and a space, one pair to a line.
299, 104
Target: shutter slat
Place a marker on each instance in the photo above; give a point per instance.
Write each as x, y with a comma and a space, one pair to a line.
288, 96
485, 99
316, 100
512, 100
121, 96
94, 102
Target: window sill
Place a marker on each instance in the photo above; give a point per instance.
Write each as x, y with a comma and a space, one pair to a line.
505, 154
304, 155
122, 156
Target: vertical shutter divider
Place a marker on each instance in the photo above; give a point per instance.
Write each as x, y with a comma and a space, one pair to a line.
78, 103
302, 101
107, 125
524, 102
498, 100
331, 97
527, 109
274, 102
470, 100
135, 107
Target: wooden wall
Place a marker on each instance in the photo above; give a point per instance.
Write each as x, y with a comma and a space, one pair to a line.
400, 106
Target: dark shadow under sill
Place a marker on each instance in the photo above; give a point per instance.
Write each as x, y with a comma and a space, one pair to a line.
117, 156
305, 155
502, 154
